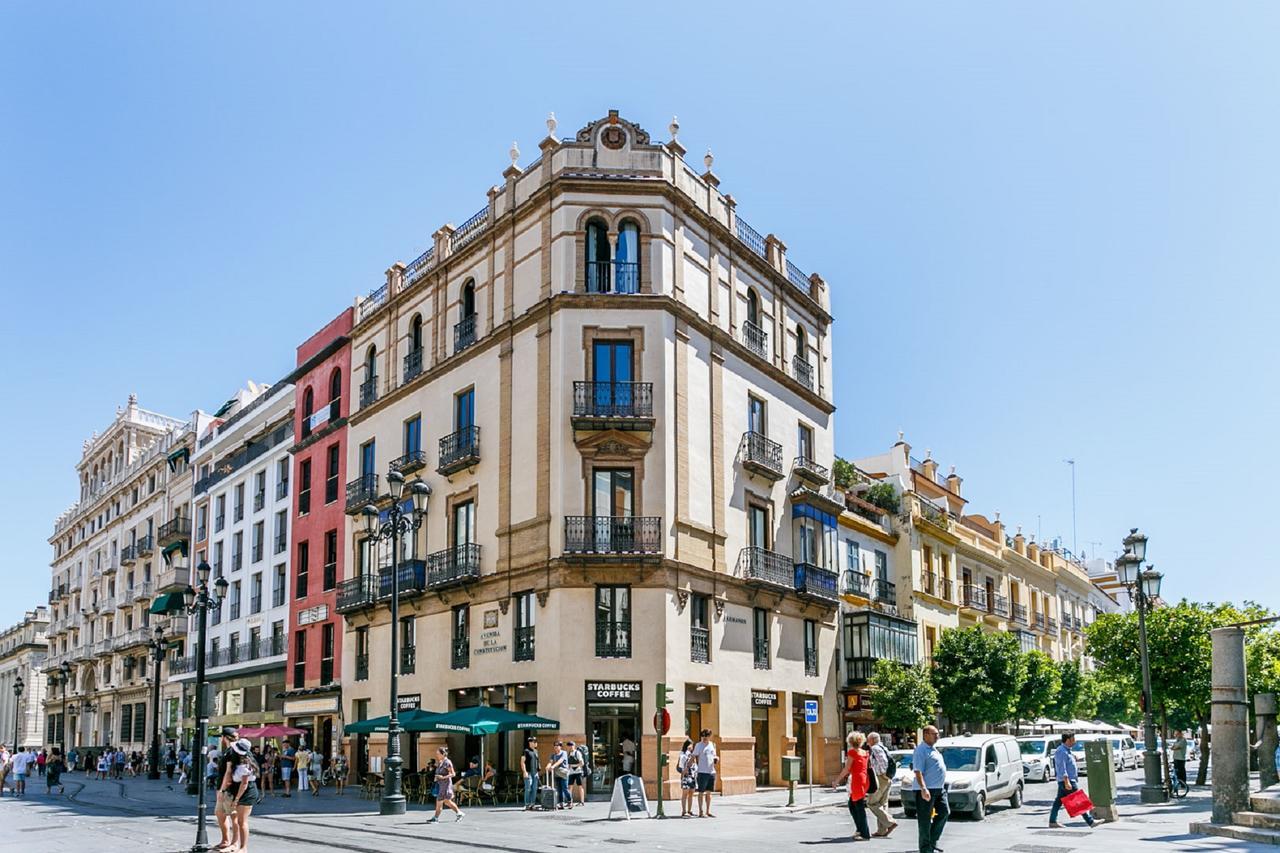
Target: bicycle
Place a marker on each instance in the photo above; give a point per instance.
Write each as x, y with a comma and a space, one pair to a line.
1176, 788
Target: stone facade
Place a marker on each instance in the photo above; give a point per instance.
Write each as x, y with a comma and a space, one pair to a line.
23, 648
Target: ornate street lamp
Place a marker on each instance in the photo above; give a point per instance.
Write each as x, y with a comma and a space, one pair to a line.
64, 673
17, 697
403, 519
157, 647
1143, 588
199, 599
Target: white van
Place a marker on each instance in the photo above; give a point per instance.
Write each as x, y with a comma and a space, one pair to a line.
1037, 756
1124, 753
981, 769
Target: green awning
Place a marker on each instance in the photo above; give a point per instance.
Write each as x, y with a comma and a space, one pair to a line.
183, 453
379, 724
168, 602
167, 551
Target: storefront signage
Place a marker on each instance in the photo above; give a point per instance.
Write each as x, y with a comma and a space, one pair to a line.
628, 797
613, 691
408, 701
764, 699
311, 615
490, 642
301, 707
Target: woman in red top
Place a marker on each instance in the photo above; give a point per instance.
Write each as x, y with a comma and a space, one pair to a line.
855, 769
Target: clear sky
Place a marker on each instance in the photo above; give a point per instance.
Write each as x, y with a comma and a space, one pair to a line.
1050, 230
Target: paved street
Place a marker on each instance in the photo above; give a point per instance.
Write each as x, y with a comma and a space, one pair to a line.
137, 815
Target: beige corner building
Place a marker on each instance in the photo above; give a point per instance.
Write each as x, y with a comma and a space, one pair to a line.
23, 648
123, 543
620, 395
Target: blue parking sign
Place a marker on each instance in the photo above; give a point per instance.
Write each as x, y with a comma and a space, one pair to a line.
811, 711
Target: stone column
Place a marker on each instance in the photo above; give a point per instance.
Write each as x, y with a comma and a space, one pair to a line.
1230, 725
1264, 707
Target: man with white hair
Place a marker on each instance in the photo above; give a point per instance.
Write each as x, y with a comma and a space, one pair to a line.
877, 802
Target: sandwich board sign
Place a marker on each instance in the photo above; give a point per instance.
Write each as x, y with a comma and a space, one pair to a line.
628, 797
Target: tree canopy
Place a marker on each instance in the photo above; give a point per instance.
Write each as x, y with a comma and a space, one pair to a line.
904, 695
978, 675
1041, 683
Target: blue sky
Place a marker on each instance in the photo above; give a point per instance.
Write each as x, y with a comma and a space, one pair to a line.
1050, 229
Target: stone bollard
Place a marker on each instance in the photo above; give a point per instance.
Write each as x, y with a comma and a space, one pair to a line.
1264, 707
1230, 725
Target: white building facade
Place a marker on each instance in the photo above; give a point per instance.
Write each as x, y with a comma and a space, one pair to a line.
23, 648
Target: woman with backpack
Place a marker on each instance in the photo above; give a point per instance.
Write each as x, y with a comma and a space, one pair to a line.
688, 770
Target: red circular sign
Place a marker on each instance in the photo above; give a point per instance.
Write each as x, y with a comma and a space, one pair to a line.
662, 721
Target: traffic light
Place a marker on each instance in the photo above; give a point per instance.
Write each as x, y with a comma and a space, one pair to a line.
663, 696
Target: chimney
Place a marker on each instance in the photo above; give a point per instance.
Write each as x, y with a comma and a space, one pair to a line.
953, 482
1033, 551
999, 526
929, 467
1020, 542
906, 448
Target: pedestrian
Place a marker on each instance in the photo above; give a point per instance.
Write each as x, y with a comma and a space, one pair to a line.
104, 764
184, 766
72, 758
54, 768
302, 766
267, 781
121, 760
685, 767
444, 786
170, 761
878, 800
244, 771
1064, 764
288, 759
529, 766
577, 775
22, 763
340, 771
932, 809
316, 777
558, 767
857, 769
224, 810
42, 760
704, 755
6, 767
1180, 757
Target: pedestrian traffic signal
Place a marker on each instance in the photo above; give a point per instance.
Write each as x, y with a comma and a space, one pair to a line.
663, 696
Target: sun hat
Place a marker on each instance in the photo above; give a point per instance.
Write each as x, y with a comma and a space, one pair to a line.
241, 747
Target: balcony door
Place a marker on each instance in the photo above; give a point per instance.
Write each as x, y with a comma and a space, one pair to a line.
612, 371
612, 508
807, 541
464, 524
758, 526
756, 416
368, 459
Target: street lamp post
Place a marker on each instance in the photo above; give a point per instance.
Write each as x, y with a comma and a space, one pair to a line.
198, 600
65, 680
1144, 588
17, 697
401, 521
157, 655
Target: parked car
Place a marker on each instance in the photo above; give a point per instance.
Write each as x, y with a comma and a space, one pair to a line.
1037, 756
902, 757
981, 769
1124, 753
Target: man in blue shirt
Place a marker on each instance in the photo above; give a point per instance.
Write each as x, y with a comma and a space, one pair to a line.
1064, 764
932, 810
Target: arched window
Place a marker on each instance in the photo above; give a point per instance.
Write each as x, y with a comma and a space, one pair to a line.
371, 363
415, 333
753, 308
469, 298
308, 403
627, 258
597, 257
802, 345
335, 385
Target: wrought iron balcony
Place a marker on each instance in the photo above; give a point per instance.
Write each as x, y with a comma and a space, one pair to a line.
613, 277
1020, 613
760, 647
412, 365
412, 575
756, 339
460, 654
803, 371
973, 597
613, 638
885, 592
128, 555
613, 405
810, 661
259, 500
362, 667
699, 644
1038, 622
411, 461
758, 566
281, 543
362, 491
999, 605
815, 582
609, 536
810, 471
408, 660
454, 566
524, 643
760, 455
856, 584
931, 512
1052, 624
936, 585
356, 593
459, 450
144, 546
369, 391
464, 333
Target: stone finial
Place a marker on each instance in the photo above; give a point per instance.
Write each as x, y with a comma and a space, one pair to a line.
133, 399
997, 515
674, 128
551, 124
928, 454
953, 470
708, 159
902, 436
514, 153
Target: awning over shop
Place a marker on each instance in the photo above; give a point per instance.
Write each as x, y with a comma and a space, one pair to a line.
379, 724
168, 602
480, 720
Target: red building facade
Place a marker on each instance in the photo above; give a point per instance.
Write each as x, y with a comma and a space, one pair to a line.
322, 385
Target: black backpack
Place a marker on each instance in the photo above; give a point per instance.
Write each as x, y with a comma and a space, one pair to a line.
891, 767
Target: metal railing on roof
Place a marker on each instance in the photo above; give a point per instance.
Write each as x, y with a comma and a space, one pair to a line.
751, 237
470, 229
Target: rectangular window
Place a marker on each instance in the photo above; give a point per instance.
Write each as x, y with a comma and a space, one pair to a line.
237, 503
217, 559
202, 522
756, 421
278, 592
255, 643
233, 647
699, 629
369, 457
810, 647
524, 627
464, 523
260, 490
613, 621
237, 550
299, 660
139, 722
758, 526
259, 537
300, 571
804, 442
304, 487
760, 633
219, 513
277, 637
330, 560
255, 593
331, 475
413, 434
461, 657
408, 645
852, 557
281, 532
326, 653
235, 600
362, 654
464, 410
126, 722
282, 479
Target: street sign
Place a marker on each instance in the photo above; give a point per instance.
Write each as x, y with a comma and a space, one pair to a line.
662, 721
811, 711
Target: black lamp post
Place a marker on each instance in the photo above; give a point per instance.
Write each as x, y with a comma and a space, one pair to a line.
17, 697
401, 521
157, 646
198, 600
1144, 588
64, 673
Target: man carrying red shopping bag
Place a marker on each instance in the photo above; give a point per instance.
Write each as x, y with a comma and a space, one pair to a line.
1069, 793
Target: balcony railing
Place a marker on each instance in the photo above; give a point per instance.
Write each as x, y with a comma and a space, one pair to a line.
361, 491
408, 660
1038, 621
803, 370
936, 585
699, 644
259, 500
412, 365
1052, 624
973, 597
411, 461
761, 455
810, 471
459, 450
613, 405
885, 592
362, 667
1020, 613
606, 535
815, 582
613, 638
412, 575
761, 566
460, 654
128, 555
760, 647
755, 338
613, 277
856, 583
464, 333
355, 593
999, 605
453, 566
369, 391
810, 661
281, 543
524, 643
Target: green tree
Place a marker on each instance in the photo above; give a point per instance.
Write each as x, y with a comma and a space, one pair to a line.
1087, 698
883, 496
1040, 684
904, 695
978, 675
1070, 680
1114, 702
842, 473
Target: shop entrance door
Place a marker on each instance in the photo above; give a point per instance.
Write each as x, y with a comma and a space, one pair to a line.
615, 744
760, 731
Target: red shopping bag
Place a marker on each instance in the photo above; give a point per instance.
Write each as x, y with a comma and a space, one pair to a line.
1077, 803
